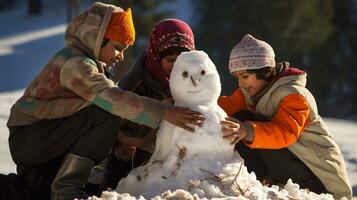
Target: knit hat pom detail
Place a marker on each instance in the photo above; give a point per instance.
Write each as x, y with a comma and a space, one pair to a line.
121, 28
251, 53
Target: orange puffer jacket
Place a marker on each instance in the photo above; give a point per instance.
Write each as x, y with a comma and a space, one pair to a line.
292, 116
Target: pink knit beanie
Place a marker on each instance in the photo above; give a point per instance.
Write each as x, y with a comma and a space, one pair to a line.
251, 53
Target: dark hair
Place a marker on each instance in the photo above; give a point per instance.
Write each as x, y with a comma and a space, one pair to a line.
269, 73
104, 42
172, 51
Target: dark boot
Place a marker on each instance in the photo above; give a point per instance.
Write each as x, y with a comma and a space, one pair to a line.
71, 178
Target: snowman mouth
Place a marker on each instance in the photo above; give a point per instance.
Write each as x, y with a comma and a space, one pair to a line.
191, 92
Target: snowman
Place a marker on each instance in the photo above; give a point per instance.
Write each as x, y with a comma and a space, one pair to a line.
184, 160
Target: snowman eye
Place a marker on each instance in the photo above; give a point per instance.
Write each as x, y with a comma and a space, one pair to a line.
203, 72
185, 74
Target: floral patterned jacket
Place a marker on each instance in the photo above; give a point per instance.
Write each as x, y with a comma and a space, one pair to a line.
74, 78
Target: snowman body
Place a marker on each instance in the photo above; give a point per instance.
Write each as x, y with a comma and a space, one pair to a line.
181, 157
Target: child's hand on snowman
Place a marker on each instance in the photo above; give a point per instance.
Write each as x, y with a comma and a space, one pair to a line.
233, 130
183, 117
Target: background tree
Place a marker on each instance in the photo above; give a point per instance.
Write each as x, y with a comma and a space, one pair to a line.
318, 36
72, 8
34, 7
336, 60
7, 4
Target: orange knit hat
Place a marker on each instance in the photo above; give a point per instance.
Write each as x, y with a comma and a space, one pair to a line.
121, 28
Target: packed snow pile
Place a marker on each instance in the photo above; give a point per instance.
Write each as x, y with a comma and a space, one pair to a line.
199, 165
256, 191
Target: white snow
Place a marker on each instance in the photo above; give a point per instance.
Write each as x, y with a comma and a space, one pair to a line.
27, 42
8, 43
181, 156
203, 165
6, 100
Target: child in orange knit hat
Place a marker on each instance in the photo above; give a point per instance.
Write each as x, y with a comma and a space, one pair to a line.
280, 124
119, 34
68, 117
121, 28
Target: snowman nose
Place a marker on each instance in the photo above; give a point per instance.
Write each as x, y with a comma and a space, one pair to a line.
194, 82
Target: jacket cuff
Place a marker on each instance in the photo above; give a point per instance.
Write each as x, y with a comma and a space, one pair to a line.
154, 113
249, 136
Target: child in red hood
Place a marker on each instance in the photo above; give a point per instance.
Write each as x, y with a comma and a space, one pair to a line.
280, 124
148, 76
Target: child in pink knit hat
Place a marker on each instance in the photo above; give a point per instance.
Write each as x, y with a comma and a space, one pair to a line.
282, 135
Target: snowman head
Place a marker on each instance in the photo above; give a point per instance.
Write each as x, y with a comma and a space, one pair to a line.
194, 79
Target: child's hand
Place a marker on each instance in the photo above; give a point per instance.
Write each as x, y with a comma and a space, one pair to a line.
232, 130
184, 117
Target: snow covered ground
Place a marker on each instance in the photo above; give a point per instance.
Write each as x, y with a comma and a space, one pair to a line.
344, 132
27, 42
